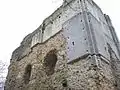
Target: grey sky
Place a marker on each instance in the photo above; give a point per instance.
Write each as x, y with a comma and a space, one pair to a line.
20, 17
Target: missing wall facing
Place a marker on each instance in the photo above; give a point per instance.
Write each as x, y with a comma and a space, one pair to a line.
69, 51
50, 62
27, 74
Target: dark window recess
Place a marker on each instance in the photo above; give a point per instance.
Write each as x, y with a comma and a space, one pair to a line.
27, 74
50, 62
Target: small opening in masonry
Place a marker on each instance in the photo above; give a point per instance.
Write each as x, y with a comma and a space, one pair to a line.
73, 43
64, 84
27, 74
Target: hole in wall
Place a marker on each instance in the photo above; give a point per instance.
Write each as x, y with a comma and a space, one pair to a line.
50, 62
51, 22
64, 83
73, 43
89, 57
59, 16
27, 74
43, 27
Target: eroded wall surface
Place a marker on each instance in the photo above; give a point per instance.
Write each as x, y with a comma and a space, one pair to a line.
75, 48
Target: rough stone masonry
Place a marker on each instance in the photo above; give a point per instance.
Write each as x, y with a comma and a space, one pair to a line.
75, 48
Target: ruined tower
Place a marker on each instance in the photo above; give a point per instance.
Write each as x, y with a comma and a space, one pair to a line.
75, 48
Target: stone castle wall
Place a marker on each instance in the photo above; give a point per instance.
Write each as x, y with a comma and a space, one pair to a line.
81, 74
75, 48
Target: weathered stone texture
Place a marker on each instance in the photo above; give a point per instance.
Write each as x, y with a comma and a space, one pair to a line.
36, 59
75, 48
80, 75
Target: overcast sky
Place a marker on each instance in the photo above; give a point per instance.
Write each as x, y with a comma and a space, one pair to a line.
20, 17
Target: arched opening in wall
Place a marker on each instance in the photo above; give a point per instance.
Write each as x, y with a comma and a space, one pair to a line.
27, 74
50, 62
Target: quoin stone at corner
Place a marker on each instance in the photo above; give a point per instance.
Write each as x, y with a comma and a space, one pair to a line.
75, 48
